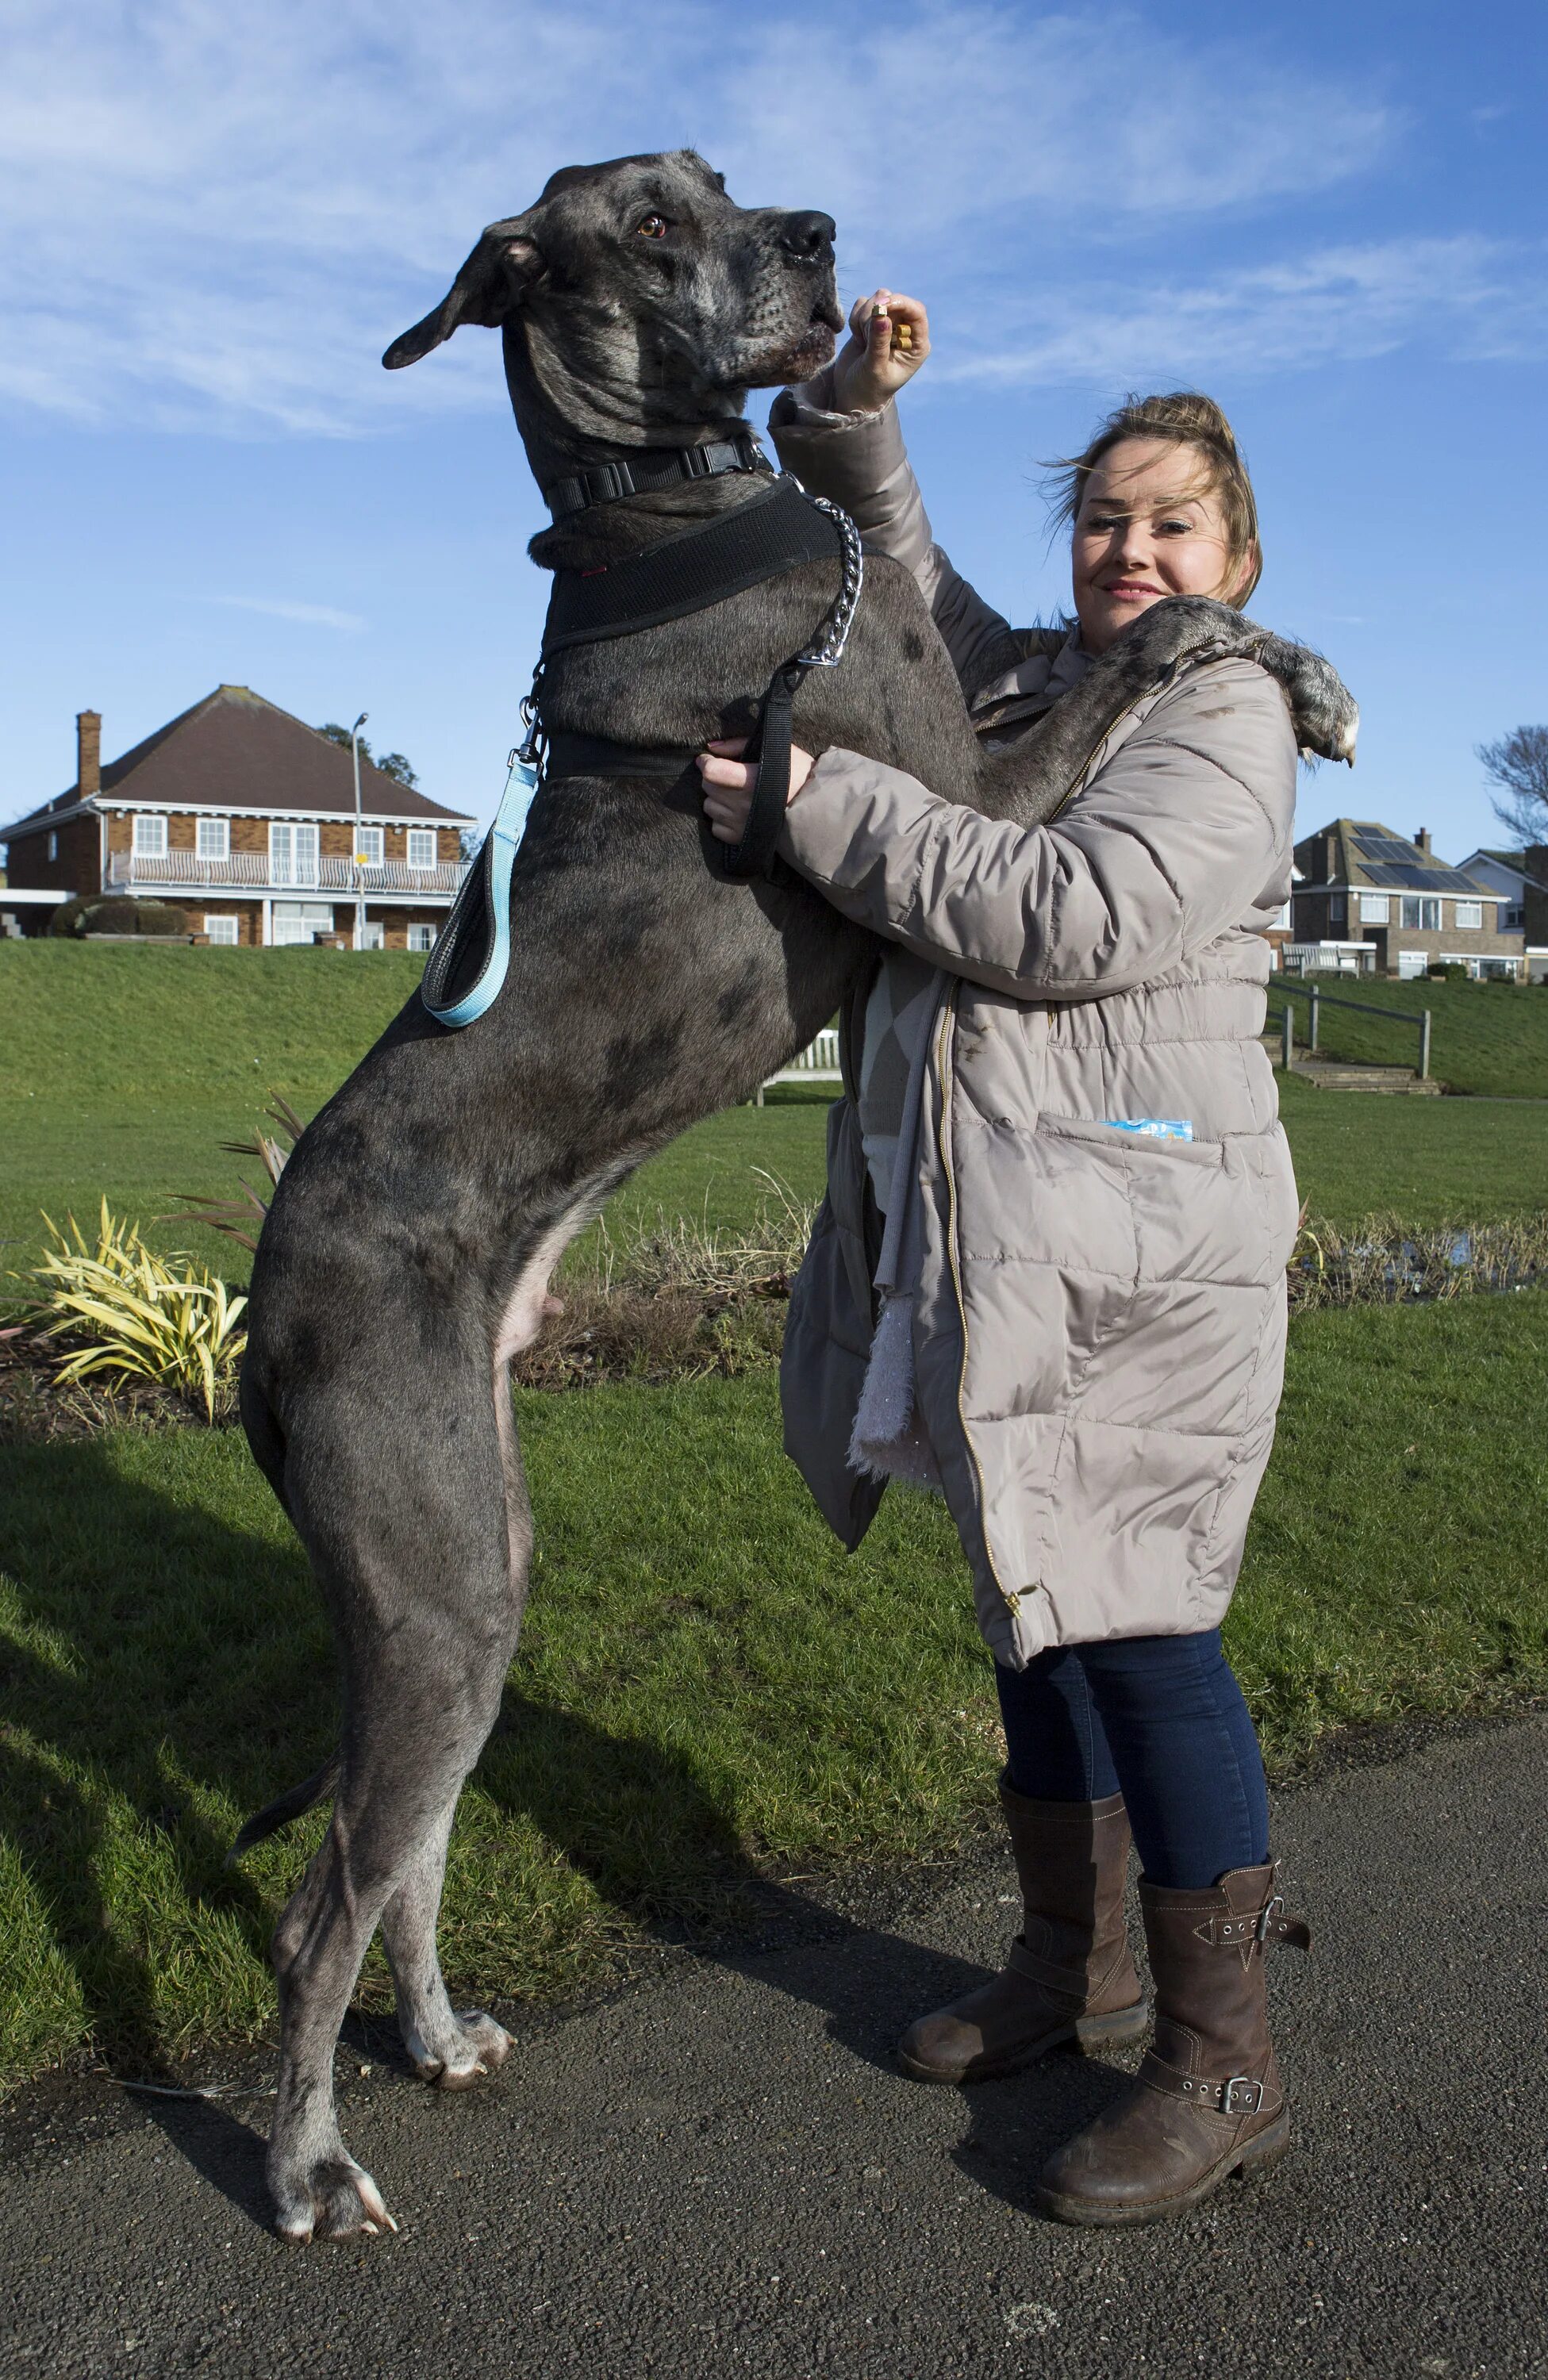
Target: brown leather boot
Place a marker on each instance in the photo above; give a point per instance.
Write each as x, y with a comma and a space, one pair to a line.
1069, 1976
1207, 2101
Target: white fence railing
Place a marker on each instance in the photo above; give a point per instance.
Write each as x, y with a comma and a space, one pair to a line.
818, 1062
255, 871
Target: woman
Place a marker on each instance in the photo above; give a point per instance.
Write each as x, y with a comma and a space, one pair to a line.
1067, 1119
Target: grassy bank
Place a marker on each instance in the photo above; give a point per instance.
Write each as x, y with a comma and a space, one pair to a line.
707, 1685
1490, 1038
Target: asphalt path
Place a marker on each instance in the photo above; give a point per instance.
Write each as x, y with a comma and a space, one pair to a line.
720, 2170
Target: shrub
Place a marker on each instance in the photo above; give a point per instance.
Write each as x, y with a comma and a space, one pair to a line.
137, 1316
115, 914
1450, 973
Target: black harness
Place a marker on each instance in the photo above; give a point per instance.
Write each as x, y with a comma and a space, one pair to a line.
776, 530
653, 468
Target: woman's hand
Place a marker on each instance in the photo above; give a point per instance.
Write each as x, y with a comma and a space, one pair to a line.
889, 338
729, 782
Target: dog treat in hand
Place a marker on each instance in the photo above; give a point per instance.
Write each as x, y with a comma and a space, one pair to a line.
902, 332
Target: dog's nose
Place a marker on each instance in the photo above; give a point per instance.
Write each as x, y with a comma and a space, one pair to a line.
808, 238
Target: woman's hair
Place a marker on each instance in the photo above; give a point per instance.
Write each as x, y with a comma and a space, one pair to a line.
1189, 419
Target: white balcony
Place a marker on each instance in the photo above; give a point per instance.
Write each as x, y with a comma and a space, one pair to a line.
253, 871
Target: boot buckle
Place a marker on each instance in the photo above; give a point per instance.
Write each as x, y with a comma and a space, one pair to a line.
1248, 2104
1271, 1911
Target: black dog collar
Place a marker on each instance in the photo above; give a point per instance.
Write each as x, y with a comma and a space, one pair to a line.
655, 467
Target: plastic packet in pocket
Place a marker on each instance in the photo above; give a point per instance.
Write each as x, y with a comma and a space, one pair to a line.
1154, 1127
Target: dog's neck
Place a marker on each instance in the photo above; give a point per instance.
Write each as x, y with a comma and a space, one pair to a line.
571, 423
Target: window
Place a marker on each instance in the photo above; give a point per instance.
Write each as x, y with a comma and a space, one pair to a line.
222, 931
292, 853
422, 846
372, 936
53, 843
214, 838
299, 921
1420, 913
1337, 910
1469, 917
1374, 908
421, 938
1412, 963
368, 846
149, 837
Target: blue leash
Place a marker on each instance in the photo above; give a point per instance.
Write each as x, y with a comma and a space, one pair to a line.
488, 884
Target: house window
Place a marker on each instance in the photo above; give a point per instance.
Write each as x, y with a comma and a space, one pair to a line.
1513, 920
1469, 917
369, 846
222, 931
422, 846
53, 843
1374, 908
1337, 911
421, 938
292, 853
301, 921
1420, 914
372, 937
150, 836
1410, 963
214, 838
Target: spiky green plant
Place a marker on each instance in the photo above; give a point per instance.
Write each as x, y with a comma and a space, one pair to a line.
139, 1315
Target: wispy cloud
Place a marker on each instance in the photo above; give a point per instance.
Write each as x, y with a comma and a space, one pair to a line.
219, 217
1468, 297
307, 615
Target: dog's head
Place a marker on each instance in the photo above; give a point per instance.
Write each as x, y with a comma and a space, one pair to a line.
636, 294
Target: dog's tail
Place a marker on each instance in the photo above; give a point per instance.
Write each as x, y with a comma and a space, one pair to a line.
280, 1813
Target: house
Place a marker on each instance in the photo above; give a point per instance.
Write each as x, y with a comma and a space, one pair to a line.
1520, 877
244, 818
1388, 905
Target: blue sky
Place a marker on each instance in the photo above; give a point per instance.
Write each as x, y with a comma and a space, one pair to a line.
213, 220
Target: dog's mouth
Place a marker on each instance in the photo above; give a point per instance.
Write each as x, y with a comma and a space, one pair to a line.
827, 314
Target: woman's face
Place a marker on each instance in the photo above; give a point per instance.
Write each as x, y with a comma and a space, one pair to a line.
1139, 535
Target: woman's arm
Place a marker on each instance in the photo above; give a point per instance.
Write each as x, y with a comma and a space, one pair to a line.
1184, 833
839, 433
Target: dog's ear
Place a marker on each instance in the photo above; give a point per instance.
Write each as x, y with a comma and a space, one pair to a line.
505, 268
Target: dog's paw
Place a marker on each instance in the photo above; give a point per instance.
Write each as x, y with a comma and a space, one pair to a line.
478, 2047
333, 2199
1325, 714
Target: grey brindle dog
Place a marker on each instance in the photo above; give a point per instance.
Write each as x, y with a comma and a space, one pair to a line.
408, 1252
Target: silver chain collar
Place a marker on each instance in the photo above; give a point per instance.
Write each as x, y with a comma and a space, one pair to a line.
834, 631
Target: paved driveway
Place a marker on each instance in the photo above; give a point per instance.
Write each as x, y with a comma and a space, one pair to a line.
720, 2171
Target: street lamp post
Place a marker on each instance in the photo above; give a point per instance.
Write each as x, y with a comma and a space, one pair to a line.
360, 870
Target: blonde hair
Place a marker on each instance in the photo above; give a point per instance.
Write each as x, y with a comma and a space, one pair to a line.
1188, 418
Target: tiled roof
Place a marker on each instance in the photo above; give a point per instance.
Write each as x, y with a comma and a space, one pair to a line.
1370, 857
234, 750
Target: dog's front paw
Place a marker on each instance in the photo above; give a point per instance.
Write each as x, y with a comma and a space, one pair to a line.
1325, 714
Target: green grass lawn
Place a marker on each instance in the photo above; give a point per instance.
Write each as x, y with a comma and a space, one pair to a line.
122, 1069
707, 1687
1488, 1038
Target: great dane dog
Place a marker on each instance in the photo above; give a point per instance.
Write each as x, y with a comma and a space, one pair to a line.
409, 1248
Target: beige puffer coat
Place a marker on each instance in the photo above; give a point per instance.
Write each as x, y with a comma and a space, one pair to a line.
1098, 1316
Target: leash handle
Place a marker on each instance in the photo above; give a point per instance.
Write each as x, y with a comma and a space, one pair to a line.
483, 907
770, 746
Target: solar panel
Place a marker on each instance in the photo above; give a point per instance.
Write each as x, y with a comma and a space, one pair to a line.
1414, 878
1386, 847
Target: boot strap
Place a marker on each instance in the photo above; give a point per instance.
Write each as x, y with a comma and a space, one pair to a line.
1269, 1924
1233, 2094
1073, 1984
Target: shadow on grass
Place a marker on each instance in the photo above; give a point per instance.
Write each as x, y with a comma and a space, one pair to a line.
163, 1667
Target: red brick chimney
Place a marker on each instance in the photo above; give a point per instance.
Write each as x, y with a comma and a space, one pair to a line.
1422, 839
87, 753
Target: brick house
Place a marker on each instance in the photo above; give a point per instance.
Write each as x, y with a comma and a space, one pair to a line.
1376, 899
244, 819
1520, 877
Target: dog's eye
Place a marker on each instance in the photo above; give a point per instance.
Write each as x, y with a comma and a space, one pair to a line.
651, 228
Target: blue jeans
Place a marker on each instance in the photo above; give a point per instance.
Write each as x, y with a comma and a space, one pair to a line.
1160, 1720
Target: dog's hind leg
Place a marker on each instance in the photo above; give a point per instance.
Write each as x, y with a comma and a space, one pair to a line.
416, 1560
